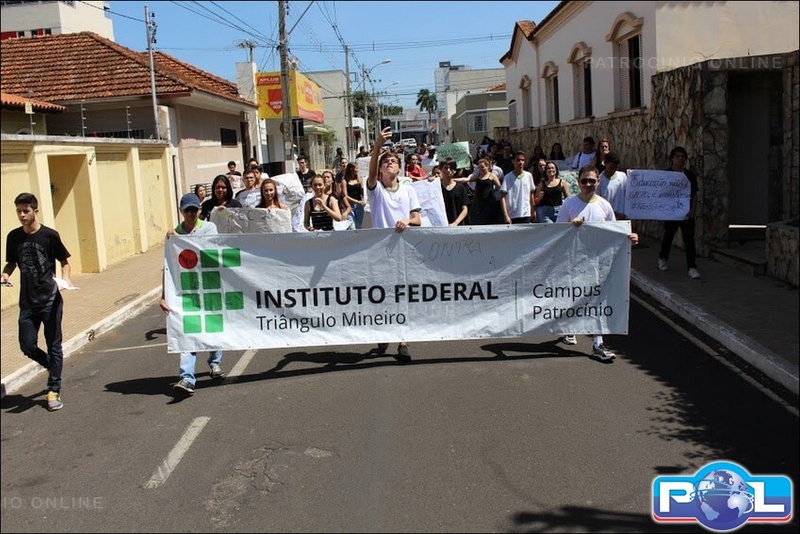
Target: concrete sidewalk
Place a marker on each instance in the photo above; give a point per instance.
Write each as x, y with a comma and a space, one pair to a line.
754, 317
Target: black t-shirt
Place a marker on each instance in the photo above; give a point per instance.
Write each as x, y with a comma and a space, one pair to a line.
454, 200
305, 178
208, 205
35, 255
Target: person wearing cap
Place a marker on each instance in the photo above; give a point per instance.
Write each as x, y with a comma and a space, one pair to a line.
192, 224
613, 184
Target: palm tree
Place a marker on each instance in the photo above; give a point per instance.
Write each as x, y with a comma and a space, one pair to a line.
427, 102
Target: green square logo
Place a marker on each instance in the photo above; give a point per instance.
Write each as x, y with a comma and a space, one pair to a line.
212, 280
191, 302
190, 282
212, 301
234, 300
192, 324
231, 257
214, 323
209, 259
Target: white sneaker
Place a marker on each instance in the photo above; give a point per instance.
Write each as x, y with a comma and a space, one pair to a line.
663, 265
569, 339
602, 353
694, 273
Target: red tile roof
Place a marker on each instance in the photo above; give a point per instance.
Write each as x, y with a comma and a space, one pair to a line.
526, 28
499, 87
85, 66
16, 101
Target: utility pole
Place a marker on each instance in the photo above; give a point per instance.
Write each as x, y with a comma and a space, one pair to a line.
288, 164
250, 45
348, 105
150, 24
366, 105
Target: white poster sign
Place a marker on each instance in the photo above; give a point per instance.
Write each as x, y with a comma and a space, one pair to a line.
246, 291
657, 195
430, 197
251, 220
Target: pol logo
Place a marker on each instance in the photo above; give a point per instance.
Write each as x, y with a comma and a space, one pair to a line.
722, 496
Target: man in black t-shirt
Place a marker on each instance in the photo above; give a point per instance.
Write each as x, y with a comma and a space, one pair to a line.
304, 173
35, 249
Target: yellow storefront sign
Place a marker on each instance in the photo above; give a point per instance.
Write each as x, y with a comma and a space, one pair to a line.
305, 97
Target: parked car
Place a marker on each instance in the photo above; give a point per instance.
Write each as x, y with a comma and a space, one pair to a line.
408, 142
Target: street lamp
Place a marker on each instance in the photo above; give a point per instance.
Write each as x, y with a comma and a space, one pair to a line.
365, 72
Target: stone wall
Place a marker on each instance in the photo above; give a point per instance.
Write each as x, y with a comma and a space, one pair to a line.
782, 251
689, 108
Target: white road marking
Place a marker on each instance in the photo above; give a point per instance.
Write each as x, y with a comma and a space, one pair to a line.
163, 471
241, 365
717, 356
119, 349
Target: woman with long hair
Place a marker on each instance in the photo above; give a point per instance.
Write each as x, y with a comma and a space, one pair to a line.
550, 194
355, 194
485, 208
321, 210
269, 196
200, 191
557, 153
221, 197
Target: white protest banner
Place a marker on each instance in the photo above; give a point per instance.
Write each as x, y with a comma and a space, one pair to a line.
362, 164
290, 189
657, 195
251, 220
458, 151
429, 193
244, 291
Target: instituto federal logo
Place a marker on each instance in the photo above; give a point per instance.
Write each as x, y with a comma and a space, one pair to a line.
202, 296
722, 496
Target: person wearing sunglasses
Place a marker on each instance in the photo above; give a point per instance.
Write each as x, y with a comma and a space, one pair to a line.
392, 204
588, 206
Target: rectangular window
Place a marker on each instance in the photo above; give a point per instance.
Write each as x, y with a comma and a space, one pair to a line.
582, 90
551, 95
477, 122
628, 74
635, 71
512, 115
228, 137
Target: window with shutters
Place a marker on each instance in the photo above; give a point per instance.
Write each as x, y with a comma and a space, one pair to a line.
550, 75
626, 39
512, 115
581, 59
527, 115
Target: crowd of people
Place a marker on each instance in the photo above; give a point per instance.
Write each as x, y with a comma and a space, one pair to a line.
499, 186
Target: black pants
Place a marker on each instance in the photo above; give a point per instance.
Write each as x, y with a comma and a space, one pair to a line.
30, 320
687, 232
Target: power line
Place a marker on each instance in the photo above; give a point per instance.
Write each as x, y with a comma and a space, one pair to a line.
108, 10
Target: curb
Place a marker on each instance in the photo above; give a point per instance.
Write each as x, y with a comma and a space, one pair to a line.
739, 344
27, 372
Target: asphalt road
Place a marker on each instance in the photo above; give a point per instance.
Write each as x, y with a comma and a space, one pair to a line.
490, 435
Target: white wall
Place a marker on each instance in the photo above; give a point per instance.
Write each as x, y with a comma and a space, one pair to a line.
60, 17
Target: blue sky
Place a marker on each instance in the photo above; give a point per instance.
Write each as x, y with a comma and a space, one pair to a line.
415, 36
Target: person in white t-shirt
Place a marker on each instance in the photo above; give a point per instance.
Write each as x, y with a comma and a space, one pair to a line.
392, 204
518, 191
588, 206
586, 155
613, 184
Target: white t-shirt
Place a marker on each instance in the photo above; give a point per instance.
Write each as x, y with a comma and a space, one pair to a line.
249, 199
387, 206
613, 189
581, 159
518, 193
200, 228
596, 210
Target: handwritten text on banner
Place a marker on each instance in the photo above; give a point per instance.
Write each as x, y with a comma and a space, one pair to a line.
242, 291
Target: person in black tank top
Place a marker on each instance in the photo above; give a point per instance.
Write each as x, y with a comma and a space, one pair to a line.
550, 194
321, 210
355, 194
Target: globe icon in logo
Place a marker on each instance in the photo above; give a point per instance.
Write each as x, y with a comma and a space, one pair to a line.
724, 499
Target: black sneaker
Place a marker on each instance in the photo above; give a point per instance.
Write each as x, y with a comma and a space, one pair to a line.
184, 386
403, 354
382, 348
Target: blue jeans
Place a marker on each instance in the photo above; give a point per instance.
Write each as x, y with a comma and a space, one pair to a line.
188, 360
357, 213
547, 214
30, 319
